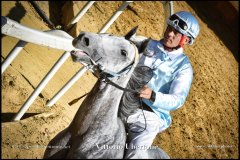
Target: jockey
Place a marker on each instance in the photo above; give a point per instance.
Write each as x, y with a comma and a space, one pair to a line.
169, 86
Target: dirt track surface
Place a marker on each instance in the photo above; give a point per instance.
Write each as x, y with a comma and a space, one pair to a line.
205, 127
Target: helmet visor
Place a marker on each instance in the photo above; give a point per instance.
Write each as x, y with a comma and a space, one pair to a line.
179, 22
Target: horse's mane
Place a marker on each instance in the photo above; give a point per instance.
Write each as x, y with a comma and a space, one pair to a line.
130, 102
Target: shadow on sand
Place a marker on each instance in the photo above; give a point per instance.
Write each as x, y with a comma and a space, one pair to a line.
222, 18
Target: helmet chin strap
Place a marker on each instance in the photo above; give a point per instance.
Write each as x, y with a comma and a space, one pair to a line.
181, 43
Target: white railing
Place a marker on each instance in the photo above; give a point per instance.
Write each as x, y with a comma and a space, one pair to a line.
168, 11
115, 16
52, 38
80, 14
83, 70
41, 86
13, 54
55, 39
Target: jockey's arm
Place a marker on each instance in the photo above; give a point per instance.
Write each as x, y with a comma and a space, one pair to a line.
178, 92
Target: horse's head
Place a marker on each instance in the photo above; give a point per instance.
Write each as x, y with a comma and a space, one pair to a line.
111, 52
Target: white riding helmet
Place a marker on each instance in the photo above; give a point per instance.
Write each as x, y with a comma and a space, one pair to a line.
185, 23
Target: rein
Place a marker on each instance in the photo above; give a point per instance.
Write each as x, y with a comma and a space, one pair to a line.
108, 81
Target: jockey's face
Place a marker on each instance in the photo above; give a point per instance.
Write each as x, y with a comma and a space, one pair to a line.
171, 37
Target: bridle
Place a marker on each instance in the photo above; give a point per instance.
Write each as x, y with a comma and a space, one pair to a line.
102, 73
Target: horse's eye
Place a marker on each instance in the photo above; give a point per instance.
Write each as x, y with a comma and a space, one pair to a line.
123, 52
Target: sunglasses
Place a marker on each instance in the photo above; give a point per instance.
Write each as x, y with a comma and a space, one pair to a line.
179, 22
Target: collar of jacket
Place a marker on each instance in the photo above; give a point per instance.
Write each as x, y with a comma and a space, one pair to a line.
173, 54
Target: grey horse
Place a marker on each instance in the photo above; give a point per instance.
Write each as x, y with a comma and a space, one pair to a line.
96, 130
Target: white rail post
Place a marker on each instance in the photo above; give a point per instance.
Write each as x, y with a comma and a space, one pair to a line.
115, 16
168, 11
41, 85
67, 86
80, 14
13, 54
171, 7
49, 38
64, 89
84, 69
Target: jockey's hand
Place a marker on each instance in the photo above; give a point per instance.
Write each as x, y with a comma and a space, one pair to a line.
146, 92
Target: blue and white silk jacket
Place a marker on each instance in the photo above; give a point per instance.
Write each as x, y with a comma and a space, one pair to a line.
171, 81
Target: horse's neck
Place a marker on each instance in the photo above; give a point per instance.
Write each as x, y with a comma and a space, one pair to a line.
108, 95
101, 103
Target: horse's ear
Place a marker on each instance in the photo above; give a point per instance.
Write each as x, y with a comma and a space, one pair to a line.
131, 33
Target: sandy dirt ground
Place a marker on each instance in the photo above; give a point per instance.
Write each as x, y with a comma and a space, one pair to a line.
205, 127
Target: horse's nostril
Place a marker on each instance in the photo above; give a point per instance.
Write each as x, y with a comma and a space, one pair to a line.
86, 41
74, 42
81, 35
